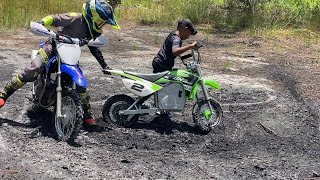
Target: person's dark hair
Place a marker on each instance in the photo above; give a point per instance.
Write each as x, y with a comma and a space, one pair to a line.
187, 23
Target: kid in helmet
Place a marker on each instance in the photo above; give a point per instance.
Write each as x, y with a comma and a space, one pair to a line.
98, 13
88, 24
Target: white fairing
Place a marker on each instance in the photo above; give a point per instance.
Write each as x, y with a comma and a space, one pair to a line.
69, 53
137, 87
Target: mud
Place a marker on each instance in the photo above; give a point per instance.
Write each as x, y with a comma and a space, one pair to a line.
270, 128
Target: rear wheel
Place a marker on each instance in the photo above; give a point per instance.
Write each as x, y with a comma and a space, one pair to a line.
203, 118
115, 104
67, 128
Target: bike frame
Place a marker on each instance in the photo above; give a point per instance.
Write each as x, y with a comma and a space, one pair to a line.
130, 81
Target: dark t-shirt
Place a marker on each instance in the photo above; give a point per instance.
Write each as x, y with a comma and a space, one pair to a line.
165, 57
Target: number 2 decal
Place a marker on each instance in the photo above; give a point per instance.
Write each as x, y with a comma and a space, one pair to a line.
137, 87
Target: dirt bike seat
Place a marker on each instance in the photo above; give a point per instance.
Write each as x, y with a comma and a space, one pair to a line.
149, 77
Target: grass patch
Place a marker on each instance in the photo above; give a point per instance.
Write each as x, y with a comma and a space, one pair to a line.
227, 65
222, 15
19, 14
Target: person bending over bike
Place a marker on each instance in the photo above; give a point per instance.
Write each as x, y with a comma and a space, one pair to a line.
172, 46
88, 24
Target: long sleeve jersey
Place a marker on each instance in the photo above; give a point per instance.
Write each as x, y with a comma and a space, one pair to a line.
75, 26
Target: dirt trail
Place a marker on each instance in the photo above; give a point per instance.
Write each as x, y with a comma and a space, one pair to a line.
270, 128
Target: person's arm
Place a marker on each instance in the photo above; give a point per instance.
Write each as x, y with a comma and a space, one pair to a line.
179, 50
99, 57
58, 20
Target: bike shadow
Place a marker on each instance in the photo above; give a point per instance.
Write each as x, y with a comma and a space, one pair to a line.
38, 120
42, 119
15, 123
164, 125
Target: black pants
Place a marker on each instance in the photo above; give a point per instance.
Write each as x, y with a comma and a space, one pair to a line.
158, 68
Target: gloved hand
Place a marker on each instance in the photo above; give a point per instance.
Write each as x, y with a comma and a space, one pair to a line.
104, 70
83, 42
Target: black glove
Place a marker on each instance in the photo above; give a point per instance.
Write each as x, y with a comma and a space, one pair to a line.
104, 70
83, 42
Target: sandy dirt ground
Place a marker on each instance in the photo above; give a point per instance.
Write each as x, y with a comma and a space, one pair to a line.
270, 129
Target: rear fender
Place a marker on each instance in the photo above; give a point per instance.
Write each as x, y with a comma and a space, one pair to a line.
137, 85
141, 88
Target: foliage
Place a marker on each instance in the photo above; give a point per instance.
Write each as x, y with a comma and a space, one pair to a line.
19, 13
223, 15
231, 15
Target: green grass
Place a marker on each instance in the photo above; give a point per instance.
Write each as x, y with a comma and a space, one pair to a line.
221, 15
231, 15
168, 11
17, 14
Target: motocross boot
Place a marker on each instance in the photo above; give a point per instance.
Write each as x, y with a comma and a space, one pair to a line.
87, 115
89, 123
13, 85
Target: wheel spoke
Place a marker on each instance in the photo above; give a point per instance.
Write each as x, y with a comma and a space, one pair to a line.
65, 125
204, 118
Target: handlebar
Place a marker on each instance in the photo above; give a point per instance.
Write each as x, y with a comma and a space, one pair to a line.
40, 30
199, 45
195, 54
68, 40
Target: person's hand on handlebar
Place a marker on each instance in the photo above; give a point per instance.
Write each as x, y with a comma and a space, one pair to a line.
199, 44
193, 44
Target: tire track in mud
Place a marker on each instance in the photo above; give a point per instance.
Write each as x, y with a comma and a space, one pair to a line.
289, 81
255, 92
308, 111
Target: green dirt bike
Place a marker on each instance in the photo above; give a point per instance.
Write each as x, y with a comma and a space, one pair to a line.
170, 90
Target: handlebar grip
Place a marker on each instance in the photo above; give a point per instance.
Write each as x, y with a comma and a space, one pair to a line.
199, 44
83, 42
64, 39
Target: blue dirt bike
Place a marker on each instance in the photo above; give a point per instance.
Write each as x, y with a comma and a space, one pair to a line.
56, 84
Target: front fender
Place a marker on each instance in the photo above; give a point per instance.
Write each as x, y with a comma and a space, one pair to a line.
75, 73
212, 83
207, 82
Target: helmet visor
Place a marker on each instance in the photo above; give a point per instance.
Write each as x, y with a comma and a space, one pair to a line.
98, 21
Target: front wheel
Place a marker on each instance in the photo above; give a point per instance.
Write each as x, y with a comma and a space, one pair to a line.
113, 105
68, 126
203, 118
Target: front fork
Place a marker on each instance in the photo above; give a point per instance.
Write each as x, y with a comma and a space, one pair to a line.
59, 90
205, 92
206, 96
